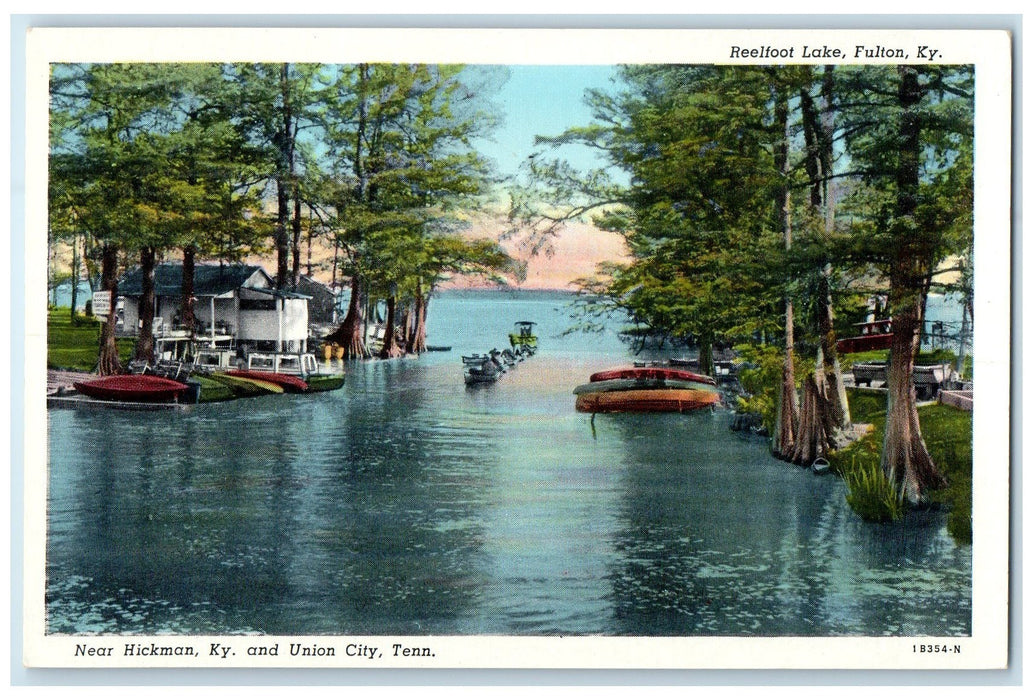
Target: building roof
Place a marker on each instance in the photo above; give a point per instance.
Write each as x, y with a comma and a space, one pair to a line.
210, 279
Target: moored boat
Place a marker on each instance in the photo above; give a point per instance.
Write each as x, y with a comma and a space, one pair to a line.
647, 400
289, 382
523, 335
642, 383
247, 386
651, 373
324, 382
144, 388
646, 390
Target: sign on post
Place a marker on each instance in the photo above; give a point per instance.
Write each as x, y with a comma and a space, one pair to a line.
102, 303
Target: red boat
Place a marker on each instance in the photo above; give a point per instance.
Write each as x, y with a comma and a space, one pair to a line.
651, 373
865, 343
289, 382
875, 335
143, 388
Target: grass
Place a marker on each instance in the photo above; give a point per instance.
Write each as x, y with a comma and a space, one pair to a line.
948, 436
74, 344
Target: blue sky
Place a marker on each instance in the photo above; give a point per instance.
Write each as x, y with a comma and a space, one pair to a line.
543, 101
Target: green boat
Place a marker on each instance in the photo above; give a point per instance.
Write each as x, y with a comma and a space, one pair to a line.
523, 334
324, 382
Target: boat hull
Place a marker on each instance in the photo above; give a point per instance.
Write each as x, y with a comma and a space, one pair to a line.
247, 386
289, 382
646, 401
325, 382
651, 373
641, 384
865, 343
141, 388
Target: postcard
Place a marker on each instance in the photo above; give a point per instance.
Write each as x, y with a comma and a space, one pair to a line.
510, 349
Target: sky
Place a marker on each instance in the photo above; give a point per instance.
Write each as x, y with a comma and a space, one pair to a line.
543, 101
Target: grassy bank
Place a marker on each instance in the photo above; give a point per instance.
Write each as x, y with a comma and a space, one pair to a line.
948, 435
74, 344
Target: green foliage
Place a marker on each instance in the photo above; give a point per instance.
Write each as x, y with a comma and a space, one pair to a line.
761, 379
871, 493
948, 436
73, 344
867, 405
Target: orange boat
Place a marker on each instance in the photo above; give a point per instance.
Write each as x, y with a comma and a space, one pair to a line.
646, 401
646, 390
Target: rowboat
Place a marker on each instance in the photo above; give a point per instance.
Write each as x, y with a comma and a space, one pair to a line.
642, 383
288, 382
646, 400
487, 371
646, 390
246, 385
324, 382
651, 373
143, 388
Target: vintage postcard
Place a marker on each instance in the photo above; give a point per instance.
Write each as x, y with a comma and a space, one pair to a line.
501, 348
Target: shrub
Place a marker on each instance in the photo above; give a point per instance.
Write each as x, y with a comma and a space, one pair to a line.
871, 493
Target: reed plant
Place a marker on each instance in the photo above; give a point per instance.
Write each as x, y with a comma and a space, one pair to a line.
871, 493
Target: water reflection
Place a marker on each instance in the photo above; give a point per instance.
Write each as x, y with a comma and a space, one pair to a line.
405, 504
719, 540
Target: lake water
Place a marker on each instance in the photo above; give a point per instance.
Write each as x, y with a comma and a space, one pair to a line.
407, 503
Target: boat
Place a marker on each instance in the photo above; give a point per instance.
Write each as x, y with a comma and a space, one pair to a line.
439, 348
487, 371
651, 373
875, 335
289, 382
247, 386
143, 388
630, 384
523, 335
324, 382
646, 390
647, 400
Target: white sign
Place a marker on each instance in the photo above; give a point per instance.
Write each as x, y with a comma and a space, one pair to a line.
102, 303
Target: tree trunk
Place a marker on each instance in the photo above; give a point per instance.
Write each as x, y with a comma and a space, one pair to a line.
787, 412
108, 362
75, 275
186, 306
349, 334
282, 240
296, 240
706, 354
145, 341
418, 343
391, 347
905, 458
284, 181
818, 163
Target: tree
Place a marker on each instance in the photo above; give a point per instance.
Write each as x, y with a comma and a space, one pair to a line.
400, 137
917, 197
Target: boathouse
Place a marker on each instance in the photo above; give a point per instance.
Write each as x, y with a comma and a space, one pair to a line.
236, 306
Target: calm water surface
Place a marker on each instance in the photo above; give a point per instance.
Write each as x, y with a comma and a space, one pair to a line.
406, 503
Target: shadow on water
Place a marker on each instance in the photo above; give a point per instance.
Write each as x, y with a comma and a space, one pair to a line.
715, 537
